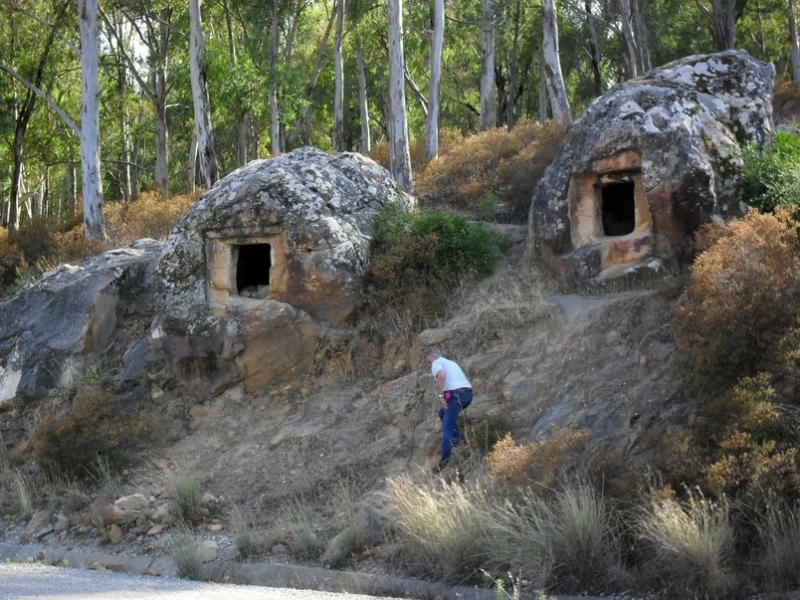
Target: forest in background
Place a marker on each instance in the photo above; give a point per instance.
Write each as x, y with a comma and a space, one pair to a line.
289, 73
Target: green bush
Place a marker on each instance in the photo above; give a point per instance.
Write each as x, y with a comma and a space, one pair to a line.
772, 174
420, 260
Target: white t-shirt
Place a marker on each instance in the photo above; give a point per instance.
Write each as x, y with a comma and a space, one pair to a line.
454, 377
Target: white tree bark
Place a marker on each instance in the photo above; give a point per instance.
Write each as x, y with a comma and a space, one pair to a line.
338, 78
437, 46
399, 154
363, 104
487, 99
202, 105
795, 45
556, 91
93, 225
275, 115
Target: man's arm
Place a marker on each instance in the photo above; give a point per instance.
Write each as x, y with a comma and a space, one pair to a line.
440, 381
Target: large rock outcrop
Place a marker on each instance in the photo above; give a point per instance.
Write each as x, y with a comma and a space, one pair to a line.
647, 164
264, 264
251, 282
58, 326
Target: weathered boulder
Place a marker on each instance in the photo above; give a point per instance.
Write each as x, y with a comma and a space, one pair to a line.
253, 276
647, 164
54, 327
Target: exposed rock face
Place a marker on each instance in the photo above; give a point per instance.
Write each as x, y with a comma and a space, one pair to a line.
248, 285
53, 328
254, 274
647, 163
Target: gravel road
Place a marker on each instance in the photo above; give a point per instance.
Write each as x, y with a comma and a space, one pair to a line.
29, 581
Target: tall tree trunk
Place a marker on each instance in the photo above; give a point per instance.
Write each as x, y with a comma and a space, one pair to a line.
162, 133
93, 225
514, 72
795, 45
488, 100
191, 165
556, 91
641, 36
543, 102
275, 122
338, 71
363, 105
399, 154
241, 113
594, 49
437, 46
628, 43
202, 109
125, 156
72, 189
722, 21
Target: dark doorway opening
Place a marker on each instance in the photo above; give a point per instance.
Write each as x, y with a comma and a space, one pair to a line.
252, 266
618, 208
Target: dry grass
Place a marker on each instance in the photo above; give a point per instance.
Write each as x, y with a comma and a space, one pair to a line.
690, 547
566, 541
443, 526
779, 531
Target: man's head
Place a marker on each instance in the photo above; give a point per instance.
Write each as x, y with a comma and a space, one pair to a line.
431, 354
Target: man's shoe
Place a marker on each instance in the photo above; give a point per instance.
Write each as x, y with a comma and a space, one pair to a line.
440, 465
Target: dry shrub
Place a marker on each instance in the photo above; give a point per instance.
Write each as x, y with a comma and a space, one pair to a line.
742, 296
505, 163
688, 548
69, 440
786, 102
751, 454
150, 215
543, 462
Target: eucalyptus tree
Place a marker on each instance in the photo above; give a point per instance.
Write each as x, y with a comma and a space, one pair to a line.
338, 68
722, 16
399, 154
437, 46
92, 183
488, 99
556, 91
793, 42
151, 20
202, 108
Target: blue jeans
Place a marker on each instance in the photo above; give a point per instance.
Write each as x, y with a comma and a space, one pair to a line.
449, 417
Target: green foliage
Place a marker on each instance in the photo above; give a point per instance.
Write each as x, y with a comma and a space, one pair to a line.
186, 557
772, 174
419, 260
187, 490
